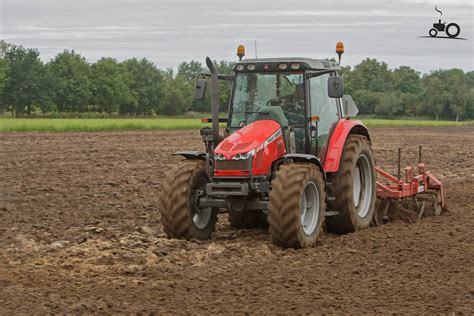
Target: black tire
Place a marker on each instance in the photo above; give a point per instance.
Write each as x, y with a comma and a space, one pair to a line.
286, 197
357, 153
453, 35
433, 32
247, 219
182, 185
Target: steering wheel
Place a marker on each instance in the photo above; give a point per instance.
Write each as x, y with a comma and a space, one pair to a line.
271, 102
242, 124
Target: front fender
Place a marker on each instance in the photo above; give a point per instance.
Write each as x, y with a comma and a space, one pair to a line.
333, 152
191, 155
302, 158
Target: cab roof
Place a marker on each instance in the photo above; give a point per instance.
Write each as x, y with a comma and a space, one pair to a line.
307, 63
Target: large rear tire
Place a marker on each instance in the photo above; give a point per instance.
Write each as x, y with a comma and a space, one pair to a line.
183, 184
354, 187
297, 205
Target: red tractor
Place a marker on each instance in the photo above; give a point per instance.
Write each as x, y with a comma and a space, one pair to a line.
290, 158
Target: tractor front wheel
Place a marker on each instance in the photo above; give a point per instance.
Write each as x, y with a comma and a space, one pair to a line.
183, 184
354, 187
297, 205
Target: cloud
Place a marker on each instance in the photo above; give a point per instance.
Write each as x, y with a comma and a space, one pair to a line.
169, 31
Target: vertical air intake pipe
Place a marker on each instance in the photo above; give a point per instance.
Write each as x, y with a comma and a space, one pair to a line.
214, 100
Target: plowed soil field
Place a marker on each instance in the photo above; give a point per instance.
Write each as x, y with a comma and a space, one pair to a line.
80, 232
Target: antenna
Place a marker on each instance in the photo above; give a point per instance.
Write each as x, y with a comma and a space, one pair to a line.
255, 49
3, 48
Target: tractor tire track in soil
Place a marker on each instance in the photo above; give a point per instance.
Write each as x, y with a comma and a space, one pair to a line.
80, 232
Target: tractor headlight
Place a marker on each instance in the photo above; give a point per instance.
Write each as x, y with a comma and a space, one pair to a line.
282, 66
219, 157
239, 67
244, 156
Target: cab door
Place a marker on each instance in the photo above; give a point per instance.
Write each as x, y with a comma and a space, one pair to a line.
324, 109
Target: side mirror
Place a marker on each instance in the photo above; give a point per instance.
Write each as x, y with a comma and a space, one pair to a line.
335, 87
200, 89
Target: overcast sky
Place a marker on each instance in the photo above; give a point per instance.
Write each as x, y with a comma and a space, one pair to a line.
171, 31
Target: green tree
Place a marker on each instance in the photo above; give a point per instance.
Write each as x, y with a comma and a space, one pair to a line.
434, 95
24, 86
3, 76
457, 89
448, 90
177, 98
110, 82
369, 75
390, 103
186, 78
469, 95
70, 79
190, 70
146, 85
407, 80
225, 87
366, 100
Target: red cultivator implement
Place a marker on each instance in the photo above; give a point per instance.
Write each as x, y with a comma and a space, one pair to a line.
415, 190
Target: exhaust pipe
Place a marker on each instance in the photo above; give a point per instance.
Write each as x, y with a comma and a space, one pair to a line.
214, 101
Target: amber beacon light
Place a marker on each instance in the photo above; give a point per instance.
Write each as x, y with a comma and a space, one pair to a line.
241, 51
339, 50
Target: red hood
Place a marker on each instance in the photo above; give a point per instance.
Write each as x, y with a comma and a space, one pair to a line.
247, 138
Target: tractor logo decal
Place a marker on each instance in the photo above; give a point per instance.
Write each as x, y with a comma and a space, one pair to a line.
269, 140
452, 30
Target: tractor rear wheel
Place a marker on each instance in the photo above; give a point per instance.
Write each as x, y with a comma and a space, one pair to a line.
183, 184
297, 205
354, 187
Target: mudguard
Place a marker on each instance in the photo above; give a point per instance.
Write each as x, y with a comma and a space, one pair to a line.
303, 158
192, 155
333, 153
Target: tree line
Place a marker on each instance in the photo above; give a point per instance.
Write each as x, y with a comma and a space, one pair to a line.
136, 87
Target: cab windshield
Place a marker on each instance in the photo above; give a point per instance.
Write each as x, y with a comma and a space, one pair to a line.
278, 96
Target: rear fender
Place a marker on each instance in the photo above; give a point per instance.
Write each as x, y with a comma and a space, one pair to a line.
333, 153
299, 158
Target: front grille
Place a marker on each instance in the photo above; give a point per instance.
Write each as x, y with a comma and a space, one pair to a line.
232, 164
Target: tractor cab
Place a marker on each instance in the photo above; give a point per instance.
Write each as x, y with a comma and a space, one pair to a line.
290, 91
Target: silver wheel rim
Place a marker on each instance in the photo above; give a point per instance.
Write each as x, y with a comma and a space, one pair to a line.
309, 208
362, 186
202, 217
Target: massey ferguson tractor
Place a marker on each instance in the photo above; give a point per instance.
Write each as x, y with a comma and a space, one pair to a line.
289, 158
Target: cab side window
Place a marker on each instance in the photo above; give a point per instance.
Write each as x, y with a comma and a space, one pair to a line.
324, 107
